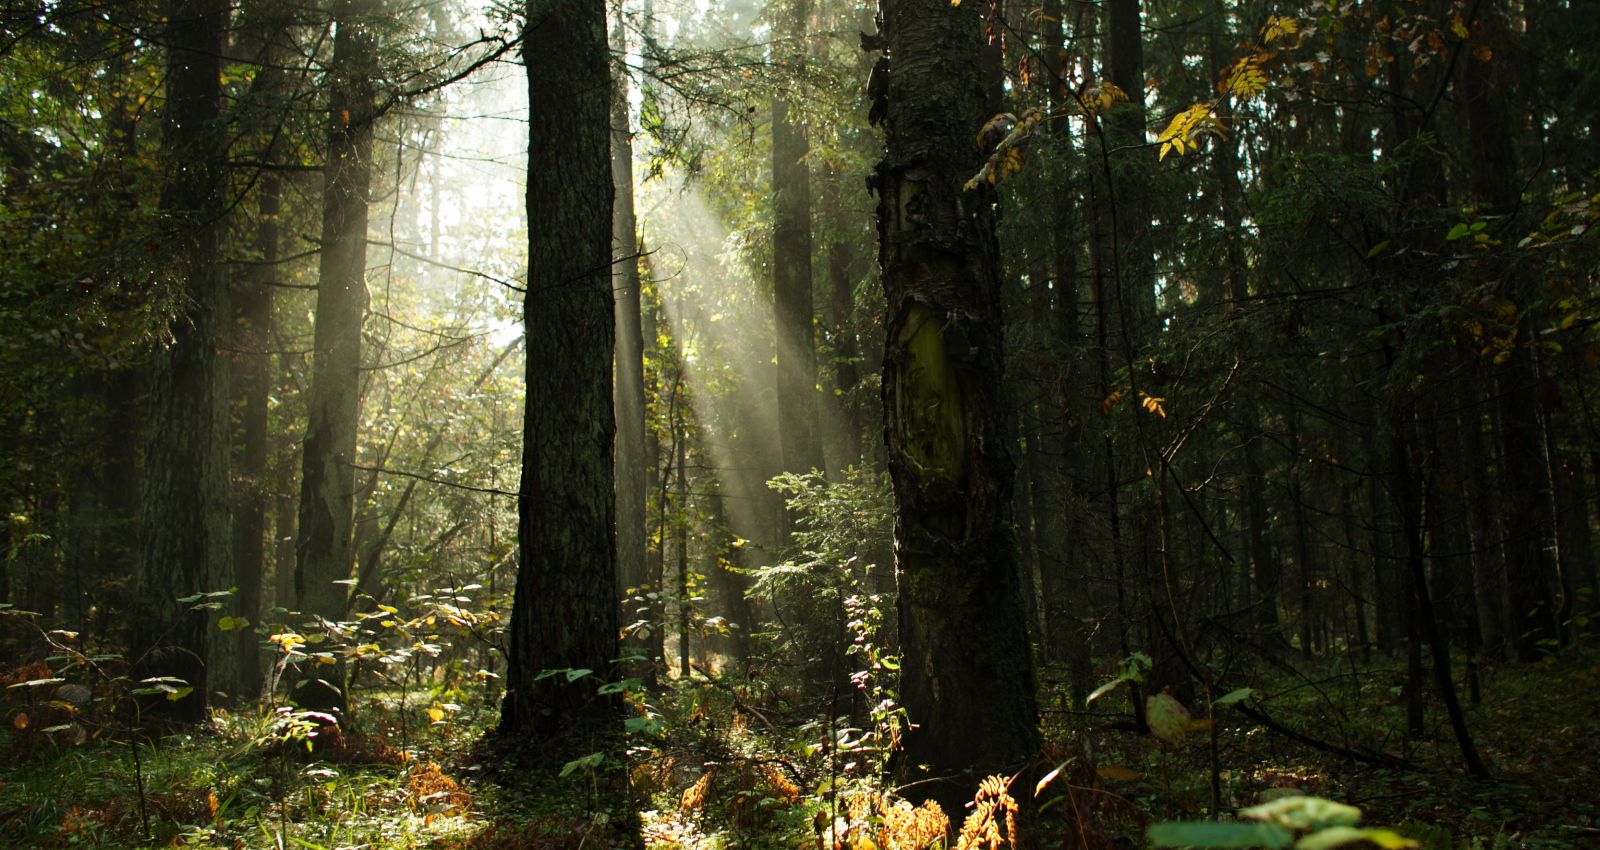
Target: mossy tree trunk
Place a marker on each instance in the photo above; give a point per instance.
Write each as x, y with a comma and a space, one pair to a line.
565, 612
967, 677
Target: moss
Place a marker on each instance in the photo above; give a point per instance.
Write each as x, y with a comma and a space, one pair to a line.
931, 420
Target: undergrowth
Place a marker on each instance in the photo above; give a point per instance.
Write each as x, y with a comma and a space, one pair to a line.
721, 773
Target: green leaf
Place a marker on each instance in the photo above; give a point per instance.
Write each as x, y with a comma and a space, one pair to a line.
1339, 836
1103, 690
588, 762
232, 624
579, 673
1220, 835
634, 725
1377, 249
1167, 717
1236, 696
37, 683
1300, 813
1457, 232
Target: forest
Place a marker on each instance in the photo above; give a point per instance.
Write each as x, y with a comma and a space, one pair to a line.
812, 424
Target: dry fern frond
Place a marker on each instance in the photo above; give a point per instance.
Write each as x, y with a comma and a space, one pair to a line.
907, 828
433, 792
694, 797
993, 820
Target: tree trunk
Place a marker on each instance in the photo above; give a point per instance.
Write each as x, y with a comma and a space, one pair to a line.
252, 378
1135, 299
184, 541
844, 348
792, 308
631, 460
967, 676
1525, 482
564, 615
325, 552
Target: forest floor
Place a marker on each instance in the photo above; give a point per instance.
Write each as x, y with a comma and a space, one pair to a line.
721, 774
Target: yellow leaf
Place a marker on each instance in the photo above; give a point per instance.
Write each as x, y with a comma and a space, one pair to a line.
1279, 27
436, 714
1185, 126
1109, 94
1118, 774
1458, 26
1110, 402
1152, 404
1246, 79
999, 125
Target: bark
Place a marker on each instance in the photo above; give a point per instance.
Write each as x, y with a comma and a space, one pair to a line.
967, 676
630, 459
1525, 481
680, 505
1130, 213
1424, 619
564, 615
1265, 572
844, 347
252, 378
184, 534
792, 307
324, 543
1488, 566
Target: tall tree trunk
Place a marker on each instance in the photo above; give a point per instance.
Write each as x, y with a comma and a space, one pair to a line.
1525, 480
631, 460
184, 540
1124, 66
792, 308
252, 376
325, 552
844, 347
252, 386
564, 615
680, 525
967, 676
1489, 591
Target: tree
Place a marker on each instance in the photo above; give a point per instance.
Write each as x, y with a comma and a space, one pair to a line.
967, 676
250, 370
184, 524
631, 460
324, 551
792, 307
565, 612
